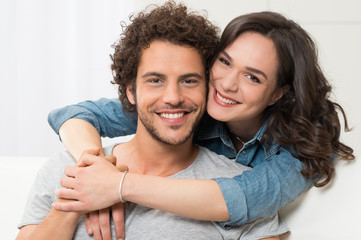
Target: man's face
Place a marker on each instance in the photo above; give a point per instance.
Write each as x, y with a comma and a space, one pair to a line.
170, 91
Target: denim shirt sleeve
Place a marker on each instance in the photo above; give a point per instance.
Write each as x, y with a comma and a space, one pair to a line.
106, 115
263, 190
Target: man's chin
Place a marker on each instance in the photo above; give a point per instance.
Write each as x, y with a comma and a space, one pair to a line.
172, 140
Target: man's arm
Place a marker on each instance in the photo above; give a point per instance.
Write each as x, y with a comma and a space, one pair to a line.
59, 225
40, 220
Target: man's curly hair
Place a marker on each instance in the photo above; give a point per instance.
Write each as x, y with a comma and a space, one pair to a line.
170, 22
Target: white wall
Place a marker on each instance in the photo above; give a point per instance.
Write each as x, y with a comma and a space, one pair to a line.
55, 53
52, 53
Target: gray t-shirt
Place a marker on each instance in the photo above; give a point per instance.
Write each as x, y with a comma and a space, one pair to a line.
146, 223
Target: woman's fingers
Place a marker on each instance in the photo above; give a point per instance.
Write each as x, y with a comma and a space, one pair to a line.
72, 206
67, 182
66, 193
93, 151
112, 159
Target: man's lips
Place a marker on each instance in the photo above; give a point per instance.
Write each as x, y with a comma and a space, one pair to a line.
172, 115
222, 100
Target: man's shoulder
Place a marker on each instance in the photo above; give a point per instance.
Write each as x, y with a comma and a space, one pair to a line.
210, 165
59, 160
209, 157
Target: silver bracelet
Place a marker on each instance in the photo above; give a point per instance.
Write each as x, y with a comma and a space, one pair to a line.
120, 187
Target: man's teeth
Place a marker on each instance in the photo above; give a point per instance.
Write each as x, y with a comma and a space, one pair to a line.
225, 100
171, 115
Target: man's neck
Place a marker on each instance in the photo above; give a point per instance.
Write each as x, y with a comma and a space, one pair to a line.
146, 155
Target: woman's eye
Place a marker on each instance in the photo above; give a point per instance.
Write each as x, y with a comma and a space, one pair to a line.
224, 61
253, 78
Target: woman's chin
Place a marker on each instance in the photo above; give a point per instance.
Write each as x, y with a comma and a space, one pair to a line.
216, 113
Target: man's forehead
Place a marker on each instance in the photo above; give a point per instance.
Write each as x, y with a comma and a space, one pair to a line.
165, 57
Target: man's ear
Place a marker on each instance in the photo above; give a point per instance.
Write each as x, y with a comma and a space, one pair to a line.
130, 94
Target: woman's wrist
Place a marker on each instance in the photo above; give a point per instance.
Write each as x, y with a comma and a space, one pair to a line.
126, 186
121, 186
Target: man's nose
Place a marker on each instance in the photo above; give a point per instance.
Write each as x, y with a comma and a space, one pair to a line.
173, 94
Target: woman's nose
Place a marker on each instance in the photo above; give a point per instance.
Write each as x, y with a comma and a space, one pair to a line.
229, 82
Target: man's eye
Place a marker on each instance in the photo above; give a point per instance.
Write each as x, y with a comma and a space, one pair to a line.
189, 81
225, 61
155, 80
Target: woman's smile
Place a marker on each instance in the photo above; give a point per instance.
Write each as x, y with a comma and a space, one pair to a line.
223, 100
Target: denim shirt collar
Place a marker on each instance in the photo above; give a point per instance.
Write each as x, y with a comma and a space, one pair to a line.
211, 128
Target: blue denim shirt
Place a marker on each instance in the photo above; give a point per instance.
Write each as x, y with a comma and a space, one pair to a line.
274, 181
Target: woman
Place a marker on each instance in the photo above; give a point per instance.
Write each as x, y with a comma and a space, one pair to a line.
268, 108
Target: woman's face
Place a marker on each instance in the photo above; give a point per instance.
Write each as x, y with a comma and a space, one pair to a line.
243, 80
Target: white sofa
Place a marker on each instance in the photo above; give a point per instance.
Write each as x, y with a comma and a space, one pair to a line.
328, 213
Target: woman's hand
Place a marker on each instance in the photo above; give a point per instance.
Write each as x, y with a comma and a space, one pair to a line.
97, 222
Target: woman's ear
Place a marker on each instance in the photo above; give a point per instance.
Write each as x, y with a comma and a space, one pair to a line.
130, 94
279, 92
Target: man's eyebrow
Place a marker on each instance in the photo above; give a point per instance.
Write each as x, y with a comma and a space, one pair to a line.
156, 74
256, 71
189, 75
160, 75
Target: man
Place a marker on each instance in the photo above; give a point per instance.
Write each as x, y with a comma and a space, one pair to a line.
160, 66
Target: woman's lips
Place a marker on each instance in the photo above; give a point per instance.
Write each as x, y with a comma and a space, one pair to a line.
221, 100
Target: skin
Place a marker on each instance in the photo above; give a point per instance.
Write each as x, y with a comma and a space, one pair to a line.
60, 225
170, 92
248, 83
170, 81
243, 85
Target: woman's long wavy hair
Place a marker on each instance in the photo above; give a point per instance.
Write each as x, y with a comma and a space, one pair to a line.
304, 120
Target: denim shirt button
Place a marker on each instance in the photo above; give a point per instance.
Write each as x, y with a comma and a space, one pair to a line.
244, 152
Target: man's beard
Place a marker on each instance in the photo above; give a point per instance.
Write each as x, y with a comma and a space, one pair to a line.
150, 127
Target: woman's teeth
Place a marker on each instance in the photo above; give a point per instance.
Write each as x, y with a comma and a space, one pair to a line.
225, 100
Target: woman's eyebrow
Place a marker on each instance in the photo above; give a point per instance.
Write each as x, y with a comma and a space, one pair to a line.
227, 55
248, 68
256, 71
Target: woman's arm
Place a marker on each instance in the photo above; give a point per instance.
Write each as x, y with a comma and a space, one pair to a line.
193, 198
106, 115
78, 135
81, 125
271, 185
262, 191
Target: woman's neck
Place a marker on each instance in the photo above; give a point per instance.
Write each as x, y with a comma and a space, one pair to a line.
243, 131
